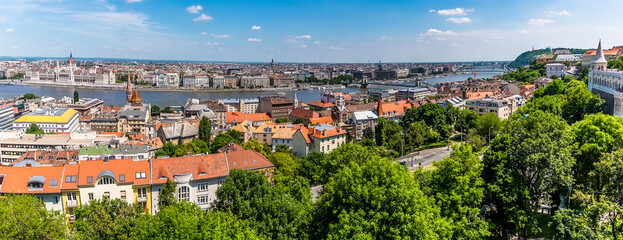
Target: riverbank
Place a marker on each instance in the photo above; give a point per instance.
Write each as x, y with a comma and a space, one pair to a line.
142, 88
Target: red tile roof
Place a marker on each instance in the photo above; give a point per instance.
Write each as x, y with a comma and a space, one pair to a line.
321, 120
201, 167
118, 167
16, 179
248, 160
238, 117
320, 104
304, 113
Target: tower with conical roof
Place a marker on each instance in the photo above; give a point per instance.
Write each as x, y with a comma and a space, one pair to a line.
599, 61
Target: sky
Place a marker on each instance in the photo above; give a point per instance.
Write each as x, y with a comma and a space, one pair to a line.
348, 31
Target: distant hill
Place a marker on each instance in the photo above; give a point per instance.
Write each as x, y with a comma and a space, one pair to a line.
526, 57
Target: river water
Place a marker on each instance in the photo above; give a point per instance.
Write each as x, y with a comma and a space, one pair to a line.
174, 98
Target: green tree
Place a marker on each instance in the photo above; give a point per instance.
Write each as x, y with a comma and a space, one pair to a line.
466, 120
377, 200
574, 224
488, 126
105, 219
255, 145
458, 188
76, 96
34, 129
155, 110
166, 195
282, 120
342, 157
221, 225
205, 129
579, 102
221, 140
274, 214
527, 165
432, 114
29, 96
299, 121
25, 217
595, 136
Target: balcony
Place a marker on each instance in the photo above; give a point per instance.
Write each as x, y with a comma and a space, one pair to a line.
72, 203
141, 199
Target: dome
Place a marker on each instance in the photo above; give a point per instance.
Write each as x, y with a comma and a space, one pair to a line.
71, 59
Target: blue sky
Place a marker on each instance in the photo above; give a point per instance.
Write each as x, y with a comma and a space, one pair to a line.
303, 31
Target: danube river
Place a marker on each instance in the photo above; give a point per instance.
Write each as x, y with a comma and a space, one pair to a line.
173, 98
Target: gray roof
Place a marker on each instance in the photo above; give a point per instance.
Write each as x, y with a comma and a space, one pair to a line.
323, 127
131, 149
134, 114
37, 179
180, 129
107, 173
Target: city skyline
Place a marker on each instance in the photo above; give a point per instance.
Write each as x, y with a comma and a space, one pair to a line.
303, 31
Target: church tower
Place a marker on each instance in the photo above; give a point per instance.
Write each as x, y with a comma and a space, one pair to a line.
128, 91
599, 61
72, 66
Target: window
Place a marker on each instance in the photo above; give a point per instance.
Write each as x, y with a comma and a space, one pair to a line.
70, 179
122, 194
105, 181
203, 199
141, 175
35, 185
122, 178
53, 183
89, 180
106, 195
220, 182
91, 196
55, 201
141, 193
183, 194
202, 187
1, 180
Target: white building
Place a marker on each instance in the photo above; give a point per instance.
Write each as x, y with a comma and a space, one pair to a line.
606, 83
556, 69
322, 138
363, 120
6, 116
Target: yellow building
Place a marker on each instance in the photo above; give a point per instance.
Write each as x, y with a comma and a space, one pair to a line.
50, 120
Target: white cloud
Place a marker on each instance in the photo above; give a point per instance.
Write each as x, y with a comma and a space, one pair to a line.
15, 47
107, 47
136, 49
219, 35
317, 42
456, 45
111, 7
524, 32
453, 12
559, 13
254, 40
303, 37
336, 48
436, 32
303, 46
290, 40
203, 17
459, 20
540, 21
211, 44
386, 38
256, 27
133, 1
432, 11
9, 30
204, 33
194, 9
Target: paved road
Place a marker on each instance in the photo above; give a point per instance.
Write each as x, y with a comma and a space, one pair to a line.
424, 158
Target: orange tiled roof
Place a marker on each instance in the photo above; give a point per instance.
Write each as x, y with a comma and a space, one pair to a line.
304, 113
118, 134
320, 104
201, 167
16, 179
321, 120
118, 167
395, 108
236, 117
327, 133
247, 160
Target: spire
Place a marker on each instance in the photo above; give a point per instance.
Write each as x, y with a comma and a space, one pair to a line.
599, 61
599, 55
70, 54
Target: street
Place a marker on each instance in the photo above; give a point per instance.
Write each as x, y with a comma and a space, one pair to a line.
424, 158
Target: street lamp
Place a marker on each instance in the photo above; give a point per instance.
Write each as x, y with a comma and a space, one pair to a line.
490, 135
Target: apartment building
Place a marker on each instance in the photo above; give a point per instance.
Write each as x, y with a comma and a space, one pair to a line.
50, 120
322, 138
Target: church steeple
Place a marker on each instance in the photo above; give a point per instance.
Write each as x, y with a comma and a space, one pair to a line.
128, 91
